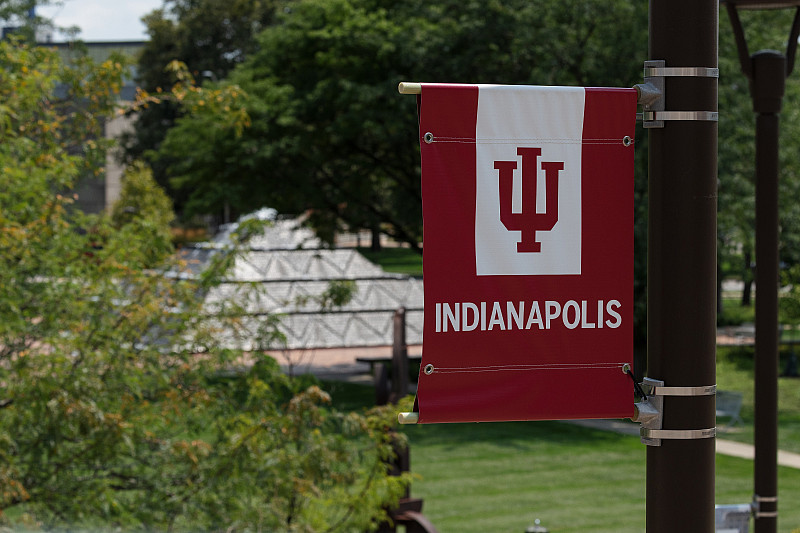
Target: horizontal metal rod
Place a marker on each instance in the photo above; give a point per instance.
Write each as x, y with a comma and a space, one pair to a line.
646, 93
409, 87
408, 418
697, 72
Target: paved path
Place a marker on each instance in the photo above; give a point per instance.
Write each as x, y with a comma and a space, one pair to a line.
335, 363
341, 364
724, 447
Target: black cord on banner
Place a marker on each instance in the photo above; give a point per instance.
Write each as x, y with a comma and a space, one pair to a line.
636, 386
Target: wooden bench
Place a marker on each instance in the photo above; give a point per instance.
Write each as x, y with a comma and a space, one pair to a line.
373, 360
729, 405
386, 388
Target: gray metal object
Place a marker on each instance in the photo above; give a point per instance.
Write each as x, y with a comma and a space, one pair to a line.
537, 527
678, 434
652, 93
771, 501
732, 518
654, 89
661, 116
699, 72
650, 413
705, 390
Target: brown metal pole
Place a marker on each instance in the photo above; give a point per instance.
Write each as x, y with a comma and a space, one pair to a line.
399, 356
682, 267
767, 89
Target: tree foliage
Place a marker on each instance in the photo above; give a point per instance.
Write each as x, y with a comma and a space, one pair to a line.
736, 216
329, 132
21, 15
115, 411
210, 37
144, 204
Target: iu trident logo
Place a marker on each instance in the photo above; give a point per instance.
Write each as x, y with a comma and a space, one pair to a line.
529, 221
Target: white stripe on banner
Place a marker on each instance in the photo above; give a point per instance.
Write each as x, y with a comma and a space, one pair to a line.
549, 119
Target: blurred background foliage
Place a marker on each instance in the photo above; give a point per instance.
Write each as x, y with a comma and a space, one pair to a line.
118, 409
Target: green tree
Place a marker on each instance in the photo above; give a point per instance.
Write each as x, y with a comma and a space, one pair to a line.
21, 14
736, 216
210, 37
329, 135
329, 132
114, 412
143, 203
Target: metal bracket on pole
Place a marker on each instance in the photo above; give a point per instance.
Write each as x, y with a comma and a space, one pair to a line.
652, 117
652, 93
650, 413
756, 506
660, 390
661, 70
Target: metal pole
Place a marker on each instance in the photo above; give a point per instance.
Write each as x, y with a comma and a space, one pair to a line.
682, 268
399, 356
766, 71
767, 88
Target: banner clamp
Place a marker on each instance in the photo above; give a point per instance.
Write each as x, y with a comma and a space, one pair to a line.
756, 506
697, 72
677, 434
705, 390
661, 116
652, 93
650, 413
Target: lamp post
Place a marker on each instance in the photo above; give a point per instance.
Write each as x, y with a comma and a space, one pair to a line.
766, 71
681, 265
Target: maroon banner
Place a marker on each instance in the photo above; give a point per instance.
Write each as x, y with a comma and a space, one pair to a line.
528, 253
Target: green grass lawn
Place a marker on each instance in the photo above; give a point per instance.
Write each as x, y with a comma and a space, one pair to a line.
733, 313
500, 477
396, 259
735, 373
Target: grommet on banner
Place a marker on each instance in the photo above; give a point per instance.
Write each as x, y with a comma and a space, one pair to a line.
428, 370
428, 137
627, 141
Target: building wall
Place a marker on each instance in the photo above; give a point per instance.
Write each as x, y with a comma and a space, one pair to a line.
98, 194
114, 170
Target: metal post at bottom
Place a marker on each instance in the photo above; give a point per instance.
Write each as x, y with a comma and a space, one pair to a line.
769, 74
